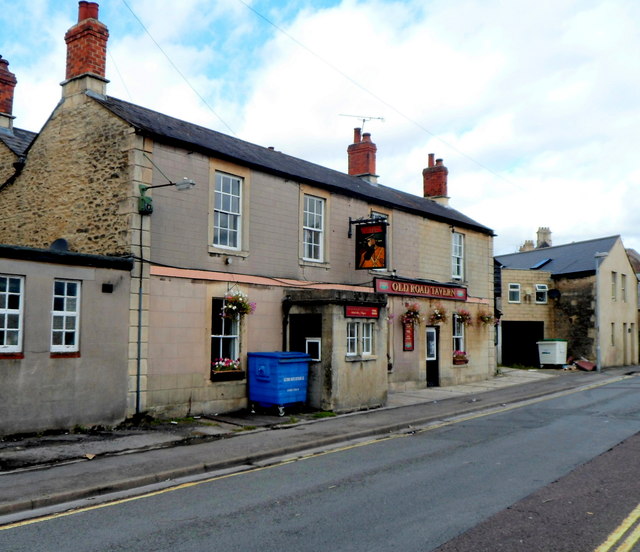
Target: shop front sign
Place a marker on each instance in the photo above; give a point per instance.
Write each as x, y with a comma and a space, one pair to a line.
420, 289
357, 311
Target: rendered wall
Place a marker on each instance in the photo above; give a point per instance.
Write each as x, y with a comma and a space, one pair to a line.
39, 392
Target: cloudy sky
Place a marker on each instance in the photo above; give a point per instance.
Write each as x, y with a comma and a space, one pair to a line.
533, 105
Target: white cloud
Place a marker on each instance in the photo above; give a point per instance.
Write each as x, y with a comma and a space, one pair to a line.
533, 106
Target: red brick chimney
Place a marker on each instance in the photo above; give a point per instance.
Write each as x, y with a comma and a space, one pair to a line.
7, 84
87, 44
362, 156
435, 181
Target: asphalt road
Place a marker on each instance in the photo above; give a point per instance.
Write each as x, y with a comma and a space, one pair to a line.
410, 492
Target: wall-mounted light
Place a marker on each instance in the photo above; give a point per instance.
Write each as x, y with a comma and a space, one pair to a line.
145, 203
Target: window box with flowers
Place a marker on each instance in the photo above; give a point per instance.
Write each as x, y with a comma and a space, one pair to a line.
438, 316
236, 305
226, 369
460, 357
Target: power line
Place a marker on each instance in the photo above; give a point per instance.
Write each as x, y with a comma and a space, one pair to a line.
178, 70
375, 96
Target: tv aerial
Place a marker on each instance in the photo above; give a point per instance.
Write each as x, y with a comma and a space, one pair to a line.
364, 118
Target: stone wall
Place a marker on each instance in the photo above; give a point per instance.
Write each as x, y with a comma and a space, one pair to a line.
575, 316
7, 158
75, 184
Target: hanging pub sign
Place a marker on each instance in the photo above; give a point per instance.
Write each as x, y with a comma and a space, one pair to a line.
408, 337
371, 245
417, 288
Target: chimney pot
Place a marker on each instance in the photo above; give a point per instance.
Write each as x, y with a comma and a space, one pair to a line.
362, 156
87, 43
7, 84
434, 179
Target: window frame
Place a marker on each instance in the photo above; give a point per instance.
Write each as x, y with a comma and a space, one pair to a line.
457, 255
614, 285
5, 312
457, 334
312, 230
515, 288
542, 289
368, 338
623, 287
66, 314
218, 210
361, 339
353, 338
232, 336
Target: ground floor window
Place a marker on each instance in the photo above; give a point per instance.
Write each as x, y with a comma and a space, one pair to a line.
360, 338
224, 334
65, 316
458, 333
11, 309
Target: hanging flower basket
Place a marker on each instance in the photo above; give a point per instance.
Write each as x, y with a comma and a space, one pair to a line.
411, 315
465, 317
438, 316
460, 357
236, 305
486, 319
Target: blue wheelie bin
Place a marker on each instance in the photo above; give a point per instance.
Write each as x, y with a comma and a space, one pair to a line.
278, 379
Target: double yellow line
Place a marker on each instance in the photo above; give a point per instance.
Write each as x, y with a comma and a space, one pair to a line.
630, 528
430, 427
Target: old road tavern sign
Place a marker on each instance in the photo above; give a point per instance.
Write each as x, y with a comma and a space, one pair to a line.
420, 289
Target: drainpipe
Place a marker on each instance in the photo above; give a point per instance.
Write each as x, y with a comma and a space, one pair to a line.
17, 166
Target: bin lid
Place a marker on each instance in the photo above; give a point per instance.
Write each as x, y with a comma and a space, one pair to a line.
281, 354
551, 339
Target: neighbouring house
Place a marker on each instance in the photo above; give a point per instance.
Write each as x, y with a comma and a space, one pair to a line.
379, 286
13, 141
63, 338
583, 292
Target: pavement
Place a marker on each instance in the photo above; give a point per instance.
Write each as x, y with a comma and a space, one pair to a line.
40, 473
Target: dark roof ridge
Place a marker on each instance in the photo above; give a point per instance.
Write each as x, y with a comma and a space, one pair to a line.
200, 138
551, 247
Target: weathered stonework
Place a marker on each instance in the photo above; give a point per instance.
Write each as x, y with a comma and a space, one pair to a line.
574, 320
7, 159
75, 185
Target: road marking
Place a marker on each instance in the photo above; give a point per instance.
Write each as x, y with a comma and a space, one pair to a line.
430, 427
620, 531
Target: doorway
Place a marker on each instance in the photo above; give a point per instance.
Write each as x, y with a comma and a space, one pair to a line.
519, 343
433, 369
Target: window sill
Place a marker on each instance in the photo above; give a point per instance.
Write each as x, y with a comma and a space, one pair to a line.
72, 354
315, 264
11, 356
223, 252
360, 358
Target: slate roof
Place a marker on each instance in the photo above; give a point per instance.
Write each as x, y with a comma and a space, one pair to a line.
210, 142
17, 140
563, 260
